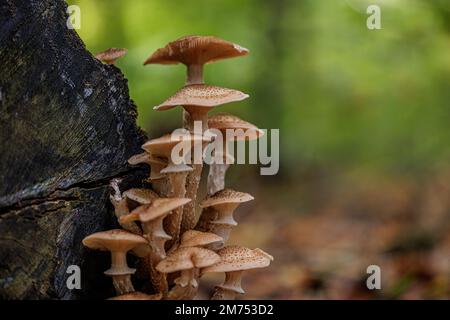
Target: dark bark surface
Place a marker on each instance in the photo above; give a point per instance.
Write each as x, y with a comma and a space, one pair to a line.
67, 127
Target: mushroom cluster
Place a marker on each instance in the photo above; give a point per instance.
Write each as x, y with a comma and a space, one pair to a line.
175, 246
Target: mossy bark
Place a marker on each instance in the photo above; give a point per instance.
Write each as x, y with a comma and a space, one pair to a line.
67, 127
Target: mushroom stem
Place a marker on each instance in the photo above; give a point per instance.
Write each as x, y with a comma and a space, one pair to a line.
222, 230
191, 115
195, 113
230, 287
216, 177
122, 284
186, 286
159, 280
177, 185
194, 74
223, 223
157, 237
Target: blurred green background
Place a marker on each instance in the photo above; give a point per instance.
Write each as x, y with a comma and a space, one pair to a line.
341, 94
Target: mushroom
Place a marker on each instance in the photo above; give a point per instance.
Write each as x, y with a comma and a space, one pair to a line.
198, 100
188, 260
118, 242
234, 260
194, 238
156, 165
194, 52
176, 173
220, 219
138, 296
141, 196
242, 131
110, 55
151, 217
121, 207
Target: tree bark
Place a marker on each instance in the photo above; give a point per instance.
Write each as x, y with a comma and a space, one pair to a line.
67, 127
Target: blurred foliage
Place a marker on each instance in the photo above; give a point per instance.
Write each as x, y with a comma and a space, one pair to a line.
342, 95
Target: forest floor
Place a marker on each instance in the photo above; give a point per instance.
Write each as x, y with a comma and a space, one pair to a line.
323, 244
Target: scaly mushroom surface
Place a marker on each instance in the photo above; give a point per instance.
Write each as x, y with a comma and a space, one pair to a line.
188, 261
233, 261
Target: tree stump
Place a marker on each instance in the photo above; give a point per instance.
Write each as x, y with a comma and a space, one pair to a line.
68, 127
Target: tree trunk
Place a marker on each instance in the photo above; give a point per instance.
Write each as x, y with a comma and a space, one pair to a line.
67, 127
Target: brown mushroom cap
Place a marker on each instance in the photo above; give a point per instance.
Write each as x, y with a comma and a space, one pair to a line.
226, 196
236, 258
194, 238
224, 121
110, 55
146, 157
196, 50
137, 296
162, 147
113, 240
158, 208
201, 95
187, 258
142, 196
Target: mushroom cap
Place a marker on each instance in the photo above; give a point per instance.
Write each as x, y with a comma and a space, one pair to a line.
111, 54
113, 240
137, 296
196, 50
146, 157
224, 121
226, 196
156, 209
201, 95
187, 258
236, 258
194, 238
142, 196
176, 169
162, 147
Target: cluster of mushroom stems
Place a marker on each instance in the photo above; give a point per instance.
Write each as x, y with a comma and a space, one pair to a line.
160, 225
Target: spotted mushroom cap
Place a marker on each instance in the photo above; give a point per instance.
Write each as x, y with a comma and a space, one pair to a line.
196, 50
113, 240
194, 238
162, 147
226, 196
137, 296
142, 196
156, 209
236, 258
111, 55
187, 258
202, 95
243, 130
